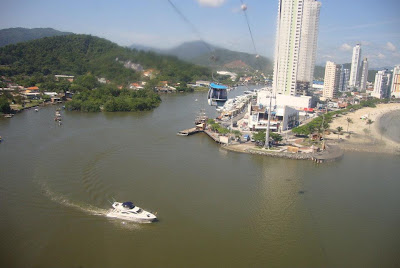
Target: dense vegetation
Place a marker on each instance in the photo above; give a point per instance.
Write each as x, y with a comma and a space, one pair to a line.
88, 58
17, 35
111, 100
81, 54
4, 105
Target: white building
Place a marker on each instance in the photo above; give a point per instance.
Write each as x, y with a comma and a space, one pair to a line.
308, 41
344, 79
289, 40
381, 87
331, 80
395, 88
282, 118
355, 67
364, 75
296, 102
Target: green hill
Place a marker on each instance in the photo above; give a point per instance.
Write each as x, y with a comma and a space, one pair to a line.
88, 58
211, 56
234, 61
17, 35
80, 54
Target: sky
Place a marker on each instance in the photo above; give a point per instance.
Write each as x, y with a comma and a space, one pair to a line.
155, 23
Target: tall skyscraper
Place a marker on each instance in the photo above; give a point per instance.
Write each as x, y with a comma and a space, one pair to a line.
331, 80
308, 41
296, 42
381, 87
364, 75
395, 88
355, 67
344, 79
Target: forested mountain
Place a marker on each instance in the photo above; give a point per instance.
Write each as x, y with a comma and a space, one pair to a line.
17, 35
208, 55
89, 58
80, 54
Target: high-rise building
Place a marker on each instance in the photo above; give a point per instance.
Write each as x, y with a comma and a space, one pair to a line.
296, 42
355, 67
308, 41
364, 75
331, 80
381, 87
395, 88
344, 79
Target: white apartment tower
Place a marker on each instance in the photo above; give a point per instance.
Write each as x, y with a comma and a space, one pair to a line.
395, 88
331, 80
296, 43
381, 87
308, 41
355, 67
364, 75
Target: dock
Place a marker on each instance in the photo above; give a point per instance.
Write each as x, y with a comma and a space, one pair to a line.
189, 131
332, 153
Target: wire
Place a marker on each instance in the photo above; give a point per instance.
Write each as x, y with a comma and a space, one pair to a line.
191, 25
248, 25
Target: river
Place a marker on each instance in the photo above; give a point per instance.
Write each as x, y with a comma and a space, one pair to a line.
215, 208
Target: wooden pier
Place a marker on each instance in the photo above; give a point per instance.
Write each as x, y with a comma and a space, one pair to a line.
189, 131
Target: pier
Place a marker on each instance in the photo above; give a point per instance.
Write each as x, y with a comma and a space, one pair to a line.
189, 131
332, 153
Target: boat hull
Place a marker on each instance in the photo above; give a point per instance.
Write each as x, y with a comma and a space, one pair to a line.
133, 219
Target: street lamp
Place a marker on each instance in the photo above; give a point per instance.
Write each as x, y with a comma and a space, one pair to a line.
266, 145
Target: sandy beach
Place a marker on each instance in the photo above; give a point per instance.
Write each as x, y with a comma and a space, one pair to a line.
358, 140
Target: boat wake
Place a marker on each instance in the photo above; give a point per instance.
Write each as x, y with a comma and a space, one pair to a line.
62, 200
88, 209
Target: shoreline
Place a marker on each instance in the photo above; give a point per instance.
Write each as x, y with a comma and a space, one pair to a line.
357, 139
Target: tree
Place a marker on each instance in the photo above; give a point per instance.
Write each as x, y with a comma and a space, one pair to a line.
259, 136
237, 133
369, 123
349, 121
339, 129
4, 105
383, 130
366, 132
276, 137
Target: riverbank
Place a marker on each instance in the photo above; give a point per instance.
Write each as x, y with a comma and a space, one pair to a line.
361, 137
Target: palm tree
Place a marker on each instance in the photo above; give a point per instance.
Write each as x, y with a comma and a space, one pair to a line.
383, 131
369, 123
366, 132
349, 121
339, 129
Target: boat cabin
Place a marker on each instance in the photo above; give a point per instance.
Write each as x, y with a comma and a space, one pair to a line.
128, 205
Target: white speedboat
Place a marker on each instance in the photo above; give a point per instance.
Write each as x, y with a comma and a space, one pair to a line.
128, 211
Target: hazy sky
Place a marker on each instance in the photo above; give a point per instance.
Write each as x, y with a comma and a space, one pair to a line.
343, 23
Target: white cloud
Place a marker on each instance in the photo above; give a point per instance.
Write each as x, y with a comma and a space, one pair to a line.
345, 47
211, 3
381, 56
389, 46
365, 43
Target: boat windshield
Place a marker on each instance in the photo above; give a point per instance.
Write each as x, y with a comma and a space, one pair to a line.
129, 205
